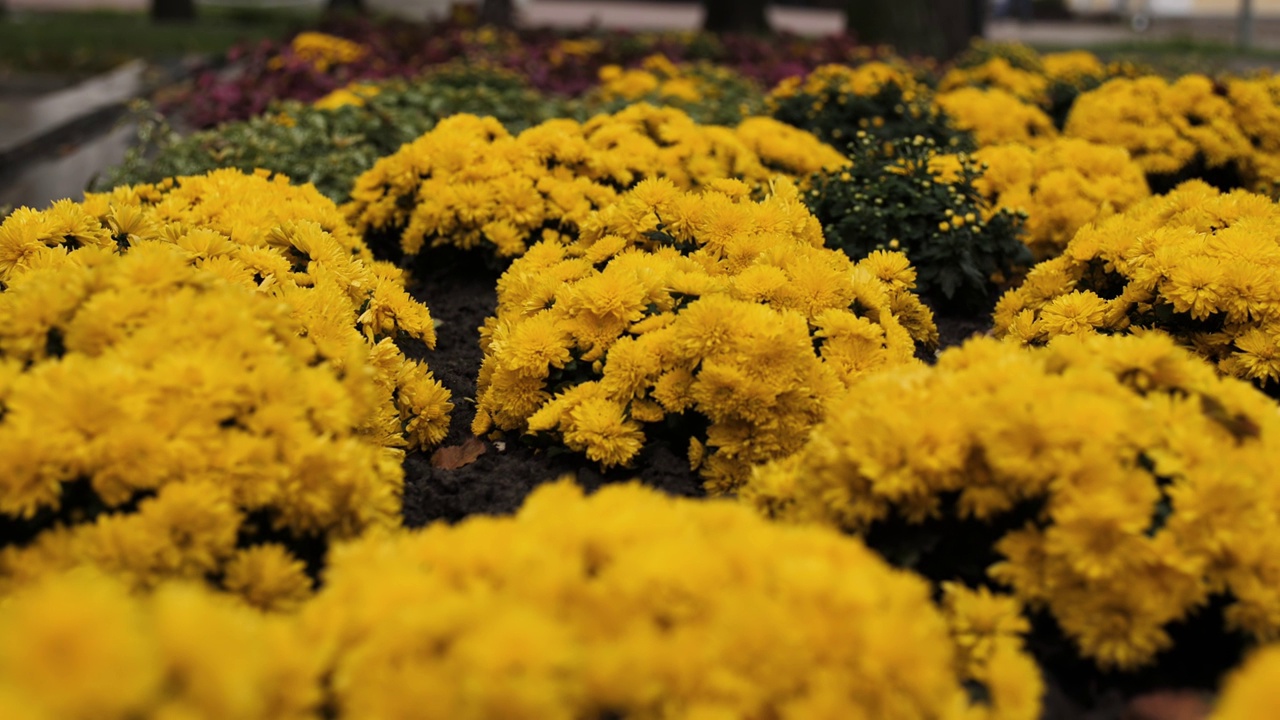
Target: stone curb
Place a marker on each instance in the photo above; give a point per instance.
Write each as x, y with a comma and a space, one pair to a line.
30, 128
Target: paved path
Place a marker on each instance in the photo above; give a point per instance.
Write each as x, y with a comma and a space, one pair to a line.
640, 15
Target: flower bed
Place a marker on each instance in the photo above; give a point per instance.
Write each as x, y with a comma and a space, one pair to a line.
214, 396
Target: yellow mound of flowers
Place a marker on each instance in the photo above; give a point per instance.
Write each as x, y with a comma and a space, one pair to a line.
79, 645
468, 182
1135, 483
572, 609
636, 604
1165, 126
1200, 264
994, 117
1061, 185
677, 304
179, 383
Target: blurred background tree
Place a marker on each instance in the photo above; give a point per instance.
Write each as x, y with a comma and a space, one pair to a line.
350, 6
744, 16
173, 10
933, 28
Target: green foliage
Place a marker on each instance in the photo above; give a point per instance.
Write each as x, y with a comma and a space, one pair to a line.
330, 148
910, 200
883, 100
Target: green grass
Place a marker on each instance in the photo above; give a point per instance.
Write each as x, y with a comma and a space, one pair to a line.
90, 42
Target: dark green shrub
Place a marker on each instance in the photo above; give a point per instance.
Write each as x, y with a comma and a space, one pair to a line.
923, 203
885, 100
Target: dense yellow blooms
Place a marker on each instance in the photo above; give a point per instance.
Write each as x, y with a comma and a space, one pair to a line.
1165, 126
324, 51
997, 72
1255, 103
1198, 263
660, 80
175, 383
1073, 71
987, 631
79, 647
672, 608
354, 94
676, 302
1062, 185
865, 80
1252, 690
292, 242
468, 182
994, 116
633, 604
1140, 482
1076, 68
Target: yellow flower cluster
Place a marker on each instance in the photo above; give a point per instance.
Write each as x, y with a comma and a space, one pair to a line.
994, 116
670, 609
468, 182
1256, 103
997, 72
80, 646
987, 631
864, 80
1077, 70
324, 51
676, 304
1197, 263
1251, 691
657, 77
354, 94
568, 48
1165, 126
1062, 185
330, 275
1145, 480
710, 93
187, 364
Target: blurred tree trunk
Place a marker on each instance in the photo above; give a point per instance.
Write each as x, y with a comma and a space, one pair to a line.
744, 16
935, 28
347, 6
173, 10
498, 12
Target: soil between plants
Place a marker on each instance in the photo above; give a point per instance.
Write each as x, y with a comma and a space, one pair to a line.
460, 292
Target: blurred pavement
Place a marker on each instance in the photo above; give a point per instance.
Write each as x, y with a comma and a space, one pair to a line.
639, 15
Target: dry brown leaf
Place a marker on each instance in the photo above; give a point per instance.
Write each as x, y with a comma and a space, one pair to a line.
456, 456
1168, 705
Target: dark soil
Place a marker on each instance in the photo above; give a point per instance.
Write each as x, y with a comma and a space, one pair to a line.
460, 293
